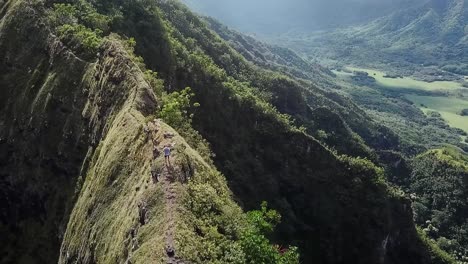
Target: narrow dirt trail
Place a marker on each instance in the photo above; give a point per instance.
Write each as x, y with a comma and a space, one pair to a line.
170, 197
166, 177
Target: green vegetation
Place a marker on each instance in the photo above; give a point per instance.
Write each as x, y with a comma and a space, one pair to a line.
417, 131
79, 26
80, 38
217, 246
432, 179
175, 107
80, 12
438, 185
212, 230
456, 68
449, 108
408, 83
175, 110
256, 246
151, 77
241, 145
408, 111
332, 112
335, 203
438, 254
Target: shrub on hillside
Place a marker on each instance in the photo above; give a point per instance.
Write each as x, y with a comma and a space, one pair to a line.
254, 241
79, 26
80, 38
437, 254
63, 14
176, 111
175, 108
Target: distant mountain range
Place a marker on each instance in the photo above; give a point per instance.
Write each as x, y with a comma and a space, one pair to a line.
434, 34
271, 17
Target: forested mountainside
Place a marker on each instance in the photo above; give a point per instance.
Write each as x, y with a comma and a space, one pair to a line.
417, 132
434, 34
411, 131
272, 57
438, 185
90, 93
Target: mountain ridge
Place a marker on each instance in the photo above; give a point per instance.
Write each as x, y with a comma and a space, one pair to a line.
88, 129
299, 16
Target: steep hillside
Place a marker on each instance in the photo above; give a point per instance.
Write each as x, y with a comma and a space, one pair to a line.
439, 187
77, 161
84, 178
310, 99
326, 91
231, 119
267, 56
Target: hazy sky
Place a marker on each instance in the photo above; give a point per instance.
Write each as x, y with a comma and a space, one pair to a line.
278, 16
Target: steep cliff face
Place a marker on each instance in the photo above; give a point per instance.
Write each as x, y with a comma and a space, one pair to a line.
45, 139
83, 183
76, 161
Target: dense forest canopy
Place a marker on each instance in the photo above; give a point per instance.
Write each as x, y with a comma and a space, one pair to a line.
412, 57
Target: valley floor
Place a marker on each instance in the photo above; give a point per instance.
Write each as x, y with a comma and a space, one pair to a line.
448, 98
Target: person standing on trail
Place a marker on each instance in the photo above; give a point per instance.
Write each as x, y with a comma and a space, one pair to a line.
167, 155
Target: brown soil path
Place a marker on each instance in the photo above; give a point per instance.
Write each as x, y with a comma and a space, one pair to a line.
170, 197
167, 177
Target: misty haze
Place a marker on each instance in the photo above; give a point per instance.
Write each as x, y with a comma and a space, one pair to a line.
279, 16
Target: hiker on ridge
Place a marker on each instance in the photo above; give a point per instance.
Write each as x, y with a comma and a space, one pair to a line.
167, 155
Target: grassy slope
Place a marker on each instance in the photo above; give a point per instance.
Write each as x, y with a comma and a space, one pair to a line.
105, 224
81, 124
117, 180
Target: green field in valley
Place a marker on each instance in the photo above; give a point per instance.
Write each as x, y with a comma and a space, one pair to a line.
448, 107
408, 83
